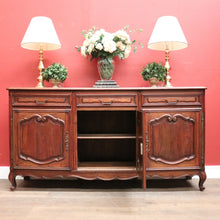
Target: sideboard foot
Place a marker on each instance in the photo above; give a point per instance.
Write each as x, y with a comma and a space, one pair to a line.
202, 179
12, 179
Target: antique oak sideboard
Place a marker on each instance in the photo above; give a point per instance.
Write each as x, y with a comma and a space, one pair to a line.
111, 133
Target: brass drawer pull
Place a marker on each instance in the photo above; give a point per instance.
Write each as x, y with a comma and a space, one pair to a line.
40, 103
172, 102
106, 102
141, 148
67, 140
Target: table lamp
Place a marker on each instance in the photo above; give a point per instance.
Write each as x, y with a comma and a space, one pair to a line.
41, 35
167, 35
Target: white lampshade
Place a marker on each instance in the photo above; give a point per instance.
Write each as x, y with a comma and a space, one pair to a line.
41, 35
167, 35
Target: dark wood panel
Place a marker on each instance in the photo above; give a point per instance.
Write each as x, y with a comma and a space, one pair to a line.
41, 139
172, 139
37, 139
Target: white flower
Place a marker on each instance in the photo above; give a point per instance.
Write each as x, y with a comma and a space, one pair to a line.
107, 37
123, 35
90, 48
96, 36
104, 44
120, 45
83, 51
127, 52
99, 46
86, 42
110, 46
100, 32
108, 43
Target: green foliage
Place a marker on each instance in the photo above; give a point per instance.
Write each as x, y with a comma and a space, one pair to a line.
154, 70
55, 71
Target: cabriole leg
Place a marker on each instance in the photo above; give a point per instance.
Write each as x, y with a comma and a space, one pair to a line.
12, 179
202, 179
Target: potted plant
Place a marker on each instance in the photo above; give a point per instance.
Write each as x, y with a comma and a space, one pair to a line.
154, 72
56, 73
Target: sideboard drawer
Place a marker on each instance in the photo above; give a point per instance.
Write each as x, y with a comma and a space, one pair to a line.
101, 100
178, 99
41, 100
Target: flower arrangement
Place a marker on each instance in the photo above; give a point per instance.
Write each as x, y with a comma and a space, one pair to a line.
102, 44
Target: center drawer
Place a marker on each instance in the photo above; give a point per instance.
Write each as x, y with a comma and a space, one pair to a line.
101, 100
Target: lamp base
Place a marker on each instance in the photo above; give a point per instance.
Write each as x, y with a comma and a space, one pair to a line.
41, 82
40, 85
167, 66
167, 81
40, 67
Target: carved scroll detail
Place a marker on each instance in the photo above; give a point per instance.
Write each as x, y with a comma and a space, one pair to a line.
42, 119
172, 118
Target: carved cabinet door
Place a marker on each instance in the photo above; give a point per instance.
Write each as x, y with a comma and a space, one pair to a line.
172, 139
40, 139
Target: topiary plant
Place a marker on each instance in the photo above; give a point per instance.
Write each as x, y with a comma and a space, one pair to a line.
56, 71
154, 69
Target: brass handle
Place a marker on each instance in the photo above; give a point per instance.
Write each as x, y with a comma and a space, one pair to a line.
172, 103
40, 103
106, 101
141, 148
67, 140
147, 142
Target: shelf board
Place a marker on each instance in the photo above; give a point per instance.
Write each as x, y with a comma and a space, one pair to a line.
107, 166
106, 136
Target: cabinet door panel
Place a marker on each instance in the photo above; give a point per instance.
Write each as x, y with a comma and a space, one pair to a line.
41, 139
172, 139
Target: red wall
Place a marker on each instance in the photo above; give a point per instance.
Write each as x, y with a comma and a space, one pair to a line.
197, 65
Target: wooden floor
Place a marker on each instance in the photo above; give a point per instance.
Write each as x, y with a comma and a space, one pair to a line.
78, 199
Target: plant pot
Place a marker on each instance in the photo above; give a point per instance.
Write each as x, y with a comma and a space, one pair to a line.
56, 83
153, 81
105, 68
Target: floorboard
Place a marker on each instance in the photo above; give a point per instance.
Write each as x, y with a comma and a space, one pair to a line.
80, 199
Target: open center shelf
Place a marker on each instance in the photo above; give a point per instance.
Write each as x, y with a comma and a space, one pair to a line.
107, 166
106, 140
106, 136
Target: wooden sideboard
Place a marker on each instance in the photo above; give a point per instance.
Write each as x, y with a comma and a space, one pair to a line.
114, 133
